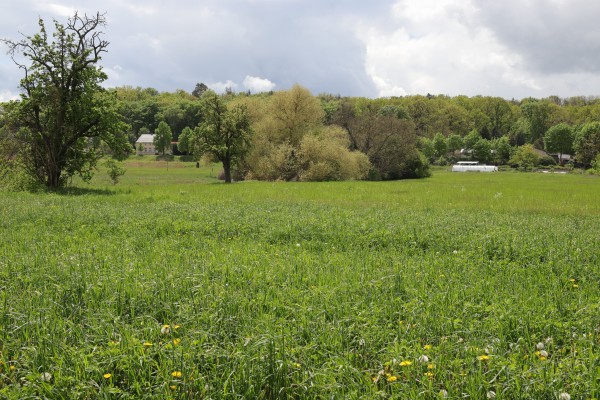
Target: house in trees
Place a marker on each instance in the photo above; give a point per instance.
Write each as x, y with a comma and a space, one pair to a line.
145, 145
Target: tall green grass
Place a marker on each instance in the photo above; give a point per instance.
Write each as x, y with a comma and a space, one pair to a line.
461, 285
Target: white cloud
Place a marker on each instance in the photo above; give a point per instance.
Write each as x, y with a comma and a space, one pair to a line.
7, 95
441, 47
57, 9
221, 87
258, 85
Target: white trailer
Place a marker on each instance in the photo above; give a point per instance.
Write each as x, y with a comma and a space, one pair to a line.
473, 166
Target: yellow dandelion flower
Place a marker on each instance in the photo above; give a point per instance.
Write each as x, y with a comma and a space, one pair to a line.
12, 367
176, 341
173, 387
176, 374
297, 365
375, 378
165, 330
483, 357
147, 344
429, 374
575, 286
107, 376
405, 363
427, 347
572, 280
176, 327
392, 378
542, 358
430, 366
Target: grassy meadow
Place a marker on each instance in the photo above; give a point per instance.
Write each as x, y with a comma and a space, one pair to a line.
173, 285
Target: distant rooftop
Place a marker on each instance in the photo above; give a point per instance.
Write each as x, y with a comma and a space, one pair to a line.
145, 138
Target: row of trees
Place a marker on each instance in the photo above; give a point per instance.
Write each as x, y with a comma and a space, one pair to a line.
66, 121
488, 129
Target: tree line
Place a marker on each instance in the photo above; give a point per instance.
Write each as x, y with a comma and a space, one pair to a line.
400, 136
66, 121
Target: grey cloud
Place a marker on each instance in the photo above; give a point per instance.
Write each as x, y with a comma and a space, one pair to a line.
556, 36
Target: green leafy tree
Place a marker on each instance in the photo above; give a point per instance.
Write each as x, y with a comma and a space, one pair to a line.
199, 90
559, 139
162, 137
537, 115
427, 148
224, 133
114, 170
525, 157
503, 149
482, 150
587, 143
184, 139
440, 145
66, 117
472, 138
454, 142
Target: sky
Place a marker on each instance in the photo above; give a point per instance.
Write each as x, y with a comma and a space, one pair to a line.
375, 48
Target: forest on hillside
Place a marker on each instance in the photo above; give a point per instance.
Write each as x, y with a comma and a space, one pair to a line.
296, 135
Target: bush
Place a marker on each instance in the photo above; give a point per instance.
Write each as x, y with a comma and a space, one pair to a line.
524, 158
324, 156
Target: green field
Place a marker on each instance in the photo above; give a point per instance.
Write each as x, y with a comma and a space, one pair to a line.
457, 286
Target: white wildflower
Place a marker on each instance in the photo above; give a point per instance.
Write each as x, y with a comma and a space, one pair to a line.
423, 359
539, 346
564, 396
491, 394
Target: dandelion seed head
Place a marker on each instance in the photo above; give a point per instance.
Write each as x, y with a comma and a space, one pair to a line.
491, 394
564, 396
46, 377
423, 359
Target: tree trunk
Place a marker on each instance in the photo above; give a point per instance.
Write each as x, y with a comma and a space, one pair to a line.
53, 179
227, 170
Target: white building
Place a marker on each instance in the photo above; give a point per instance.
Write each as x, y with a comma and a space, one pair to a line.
145, 145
